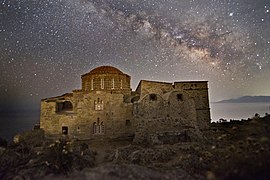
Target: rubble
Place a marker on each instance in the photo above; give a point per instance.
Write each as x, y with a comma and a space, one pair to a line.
231, 150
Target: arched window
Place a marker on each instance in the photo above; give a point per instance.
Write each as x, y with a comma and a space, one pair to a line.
102, 128
102, 83
98, 105
113, 83
94, 128
92, 84
98, 128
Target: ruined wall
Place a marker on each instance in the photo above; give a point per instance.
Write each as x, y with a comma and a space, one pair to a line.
52, 120
199, 92
160, 88
181, 104
167, 113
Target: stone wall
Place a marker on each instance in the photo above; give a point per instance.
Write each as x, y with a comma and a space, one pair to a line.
115, 115
167, 113
146, 87
175, 108
105, 107
199, 92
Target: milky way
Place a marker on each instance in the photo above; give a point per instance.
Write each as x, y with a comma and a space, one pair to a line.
203, 38
46, 45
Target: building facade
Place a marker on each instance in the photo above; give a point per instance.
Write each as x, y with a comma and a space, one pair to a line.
106, 107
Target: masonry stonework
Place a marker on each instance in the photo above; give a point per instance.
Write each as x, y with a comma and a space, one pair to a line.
106, 107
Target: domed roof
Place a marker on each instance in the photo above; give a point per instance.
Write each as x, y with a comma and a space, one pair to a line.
104, 70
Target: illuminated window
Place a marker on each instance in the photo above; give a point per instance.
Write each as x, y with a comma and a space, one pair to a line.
92, 84
102, 83
98, 105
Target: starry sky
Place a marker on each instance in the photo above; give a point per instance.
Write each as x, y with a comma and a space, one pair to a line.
47, 44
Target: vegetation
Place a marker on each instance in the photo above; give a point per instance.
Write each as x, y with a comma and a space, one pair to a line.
228, 150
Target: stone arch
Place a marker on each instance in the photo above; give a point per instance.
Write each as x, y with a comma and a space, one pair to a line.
152, 97
150, 108
176, 96
148, 97
64, 106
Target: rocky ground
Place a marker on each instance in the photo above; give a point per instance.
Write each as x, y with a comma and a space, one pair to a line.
230, 150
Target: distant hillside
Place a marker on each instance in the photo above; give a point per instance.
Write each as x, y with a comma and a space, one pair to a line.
247, 99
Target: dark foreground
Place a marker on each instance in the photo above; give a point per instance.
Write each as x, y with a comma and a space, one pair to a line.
235, 150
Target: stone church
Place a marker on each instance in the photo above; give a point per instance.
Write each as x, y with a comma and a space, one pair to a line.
106, 107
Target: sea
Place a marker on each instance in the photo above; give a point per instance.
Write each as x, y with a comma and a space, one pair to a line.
238, 111
14, 122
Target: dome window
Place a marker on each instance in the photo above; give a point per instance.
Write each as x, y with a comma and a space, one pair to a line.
113, 83
102, 83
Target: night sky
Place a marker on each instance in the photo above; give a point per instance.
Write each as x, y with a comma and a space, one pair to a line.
47, 44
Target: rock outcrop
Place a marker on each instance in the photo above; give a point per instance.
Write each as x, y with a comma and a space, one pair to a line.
230, 150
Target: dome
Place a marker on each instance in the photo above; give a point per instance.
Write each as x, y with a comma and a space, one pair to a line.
105, 78
105, 70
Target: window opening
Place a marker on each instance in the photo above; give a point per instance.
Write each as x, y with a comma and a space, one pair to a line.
98, 105
102, 84
153, 97
179, 97
65, 130
128, 123
113, 83
98, 128
92, 84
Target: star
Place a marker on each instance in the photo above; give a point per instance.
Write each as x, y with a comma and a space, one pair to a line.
46, 45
